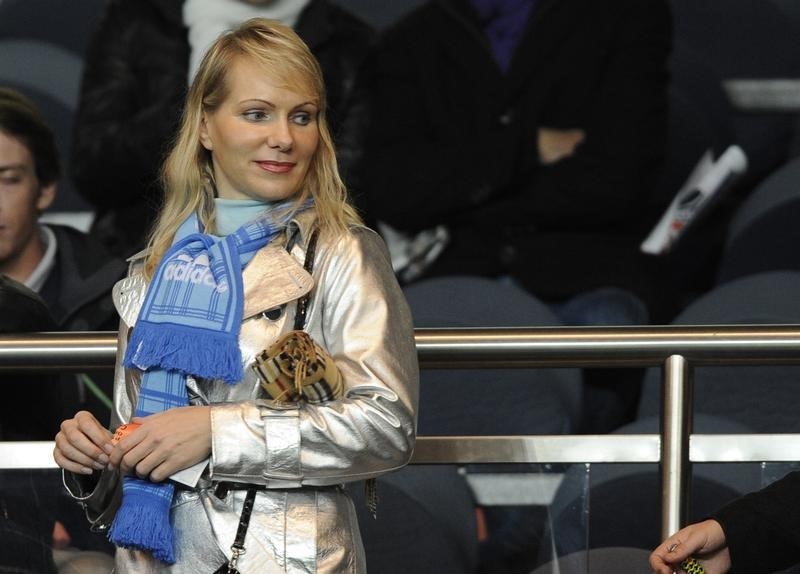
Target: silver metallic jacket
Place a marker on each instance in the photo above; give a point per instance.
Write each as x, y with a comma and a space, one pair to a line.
304, 522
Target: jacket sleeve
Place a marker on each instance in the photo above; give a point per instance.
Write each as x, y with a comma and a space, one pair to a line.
762, 529
359, 314
132, 89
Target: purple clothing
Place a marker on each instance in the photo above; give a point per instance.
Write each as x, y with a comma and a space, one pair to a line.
503, 22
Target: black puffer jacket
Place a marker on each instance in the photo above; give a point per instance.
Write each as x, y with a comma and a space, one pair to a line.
133, 89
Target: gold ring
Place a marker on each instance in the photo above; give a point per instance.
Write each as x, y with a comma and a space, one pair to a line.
672, 547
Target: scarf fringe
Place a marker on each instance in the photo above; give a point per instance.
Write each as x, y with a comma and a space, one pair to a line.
142, 523
197, 352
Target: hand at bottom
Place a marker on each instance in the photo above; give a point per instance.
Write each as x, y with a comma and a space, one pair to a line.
165, 443
703, 540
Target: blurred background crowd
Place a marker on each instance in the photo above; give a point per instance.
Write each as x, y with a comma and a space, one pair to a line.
528, 162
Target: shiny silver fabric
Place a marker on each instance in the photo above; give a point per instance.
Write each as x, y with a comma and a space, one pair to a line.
304, 522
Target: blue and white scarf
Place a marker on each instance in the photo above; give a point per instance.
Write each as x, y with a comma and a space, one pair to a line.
188, 325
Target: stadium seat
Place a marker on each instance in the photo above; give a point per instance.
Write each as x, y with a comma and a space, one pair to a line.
764, 399
763, 234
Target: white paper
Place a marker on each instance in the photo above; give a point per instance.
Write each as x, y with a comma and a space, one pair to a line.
708, 178
190, 476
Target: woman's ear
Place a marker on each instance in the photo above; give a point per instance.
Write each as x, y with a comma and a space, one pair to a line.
205, 138
46, 196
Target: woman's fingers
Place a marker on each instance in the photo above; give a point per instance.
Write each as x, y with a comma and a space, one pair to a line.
135, 455
153, 467
120, 456
140, 451
148, 461
96, 432
169, 441
143, 454
68, 464
79, 444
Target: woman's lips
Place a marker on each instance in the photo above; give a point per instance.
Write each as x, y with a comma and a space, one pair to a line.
276, 166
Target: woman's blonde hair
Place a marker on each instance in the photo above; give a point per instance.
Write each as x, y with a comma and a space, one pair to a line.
187, 175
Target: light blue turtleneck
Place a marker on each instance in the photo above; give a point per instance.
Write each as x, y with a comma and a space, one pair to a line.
233, 213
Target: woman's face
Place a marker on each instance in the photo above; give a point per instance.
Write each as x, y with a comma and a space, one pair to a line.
262, 138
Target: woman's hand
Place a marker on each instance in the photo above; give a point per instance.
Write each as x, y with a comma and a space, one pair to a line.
82, 444
165, 443
704, 540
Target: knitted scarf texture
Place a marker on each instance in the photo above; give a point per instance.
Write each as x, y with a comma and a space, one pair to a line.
188, 325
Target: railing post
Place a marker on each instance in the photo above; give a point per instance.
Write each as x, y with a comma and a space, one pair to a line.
676, 426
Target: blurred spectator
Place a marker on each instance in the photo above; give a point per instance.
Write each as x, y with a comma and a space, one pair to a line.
25, 414
138, 68
73, 274
526, 133
73, 278
35, 514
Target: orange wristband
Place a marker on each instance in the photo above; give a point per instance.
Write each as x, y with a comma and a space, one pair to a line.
123, 431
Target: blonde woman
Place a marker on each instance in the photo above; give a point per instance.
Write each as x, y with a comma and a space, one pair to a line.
253, 200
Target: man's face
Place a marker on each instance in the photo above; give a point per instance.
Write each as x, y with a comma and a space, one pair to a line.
22, 198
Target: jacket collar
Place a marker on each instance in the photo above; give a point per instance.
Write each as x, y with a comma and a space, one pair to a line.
302, 224
273, 278
77, 290
550, 21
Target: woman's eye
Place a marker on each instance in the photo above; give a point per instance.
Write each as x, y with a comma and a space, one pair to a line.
302, 118
256, 115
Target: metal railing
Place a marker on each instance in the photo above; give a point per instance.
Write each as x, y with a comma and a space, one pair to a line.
677, 350
779, 95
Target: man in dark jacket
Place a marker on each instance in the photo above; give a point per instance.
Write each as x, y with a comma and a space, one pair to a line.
135, 79
530, 130
73, 277
73, 274
29, 411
